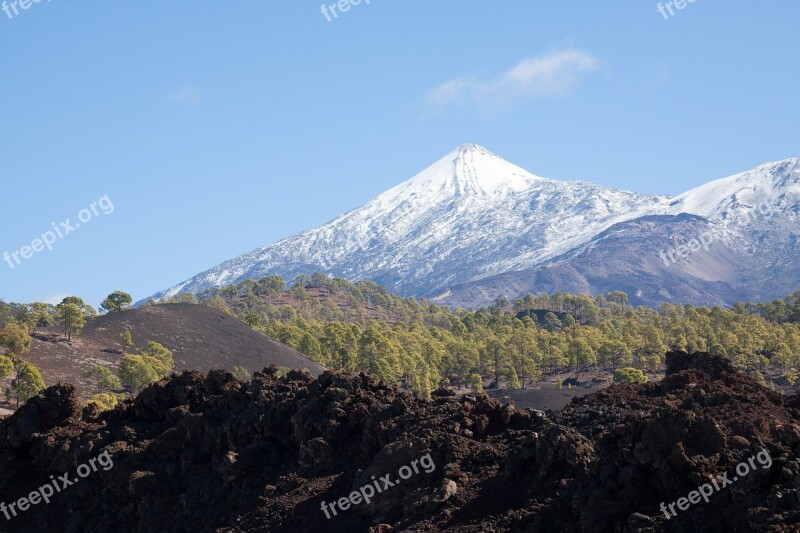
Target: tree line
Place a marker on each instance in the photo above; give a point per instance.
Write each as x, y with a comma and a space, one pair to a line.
362, 327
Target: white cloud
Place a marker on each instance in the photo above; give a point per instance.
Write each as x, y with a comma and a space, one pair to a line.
550, 74
187, 94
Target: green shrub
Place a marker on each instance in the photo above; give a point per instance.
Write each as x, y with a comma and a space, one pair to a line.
105, 401
241, 373
476, 382
629, 375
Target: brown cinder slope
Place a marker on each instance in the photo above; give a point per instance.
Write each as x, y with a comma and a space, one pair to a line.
200, 338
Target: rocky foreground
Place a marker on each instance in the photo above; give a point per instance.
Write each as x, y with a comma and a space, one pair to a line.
204, 453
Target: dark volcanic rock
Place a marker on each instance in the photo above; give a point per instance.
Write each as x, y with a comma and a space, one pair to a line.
56, 406
200, 453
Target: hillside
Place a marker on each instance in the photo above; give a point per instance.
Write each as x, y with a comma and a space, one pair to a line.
473, 226
749, 225
620, 259
275, 454
200, 338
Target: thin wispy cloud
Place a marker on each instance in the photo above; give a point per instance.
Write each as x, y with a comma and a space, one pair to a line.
550, 74
187, 94
658, 77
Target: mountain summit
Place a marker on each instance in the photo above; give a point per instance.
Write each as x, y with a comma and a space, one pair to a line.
473, 226
469, 215
469, 170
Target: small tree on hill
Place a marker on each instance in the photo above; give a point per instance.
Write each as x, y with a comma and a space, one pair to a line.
497, 358
27, 383
463, 357
252, 319
105, 379
72, 316
126, 340
34, 315
41, 314
88, 310
138, 371
6, 367
15, 338
135, 373
510, 377
476, 382
581, 355
116, 301
159, 357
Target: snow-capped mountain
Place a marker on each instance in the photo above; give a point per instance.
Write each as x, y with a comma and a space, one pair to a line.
469, 215
473, 216
745, 231
774, 186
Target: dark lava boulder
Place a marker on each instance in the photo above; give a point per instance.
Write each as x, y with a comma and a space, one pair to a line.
349, 453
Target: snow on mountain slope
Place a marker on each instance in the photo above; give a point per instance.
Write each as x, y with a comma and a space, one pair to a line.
760, 207
473, 216
467, 216
749, 224
753, 194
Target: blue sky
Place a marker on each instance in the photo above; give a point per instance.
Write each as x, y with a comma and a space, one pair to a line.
217, 127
